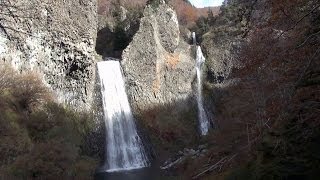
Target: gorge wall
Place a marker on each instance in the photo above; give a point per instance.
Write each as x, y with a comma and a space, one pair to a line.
55, 38
228, 34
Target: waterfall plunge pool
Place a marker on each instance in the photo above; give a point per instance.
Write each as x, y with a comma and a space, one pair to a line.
148, 173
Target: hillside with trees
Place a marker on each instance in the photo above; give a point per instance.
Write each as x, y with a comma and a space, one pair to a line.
186, 12
260, 89
267, 105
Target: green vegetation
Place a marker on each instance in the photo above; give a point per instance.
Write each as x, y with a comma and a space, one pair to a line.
39, 138
204, 24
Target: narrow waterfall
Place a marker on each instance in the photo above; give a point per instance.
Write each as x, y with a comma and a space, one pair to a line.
194, 39
203, 119
124, 148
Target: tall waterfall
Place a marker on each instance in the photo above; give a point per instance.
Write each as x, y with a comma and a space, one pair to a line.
124, 148
203, 119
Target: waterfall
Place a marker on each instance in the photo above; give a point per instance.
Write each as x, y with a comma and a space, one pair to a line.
203, 119
194, 38
124, 148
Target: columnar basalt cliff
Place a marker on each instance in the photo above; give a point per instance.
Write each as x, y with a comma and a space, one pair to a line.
158, 65
56, 38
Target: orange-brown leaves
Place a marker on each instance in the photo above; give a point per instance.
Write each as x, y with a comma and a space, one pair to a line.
172, 60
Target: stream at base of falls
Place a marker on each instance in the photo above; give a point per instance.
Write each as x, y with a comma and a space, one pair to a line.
138, 174
149, 173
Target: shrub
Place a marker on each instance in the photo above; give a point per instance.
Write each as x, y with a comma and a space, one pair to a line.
54, 121
39, 138
58, 134
14, 139
27, 89
170, 127
7, 76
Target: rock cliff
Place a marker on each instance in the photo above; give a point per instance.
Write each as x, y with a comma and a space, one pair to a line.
56, 38
158, 65
229, 33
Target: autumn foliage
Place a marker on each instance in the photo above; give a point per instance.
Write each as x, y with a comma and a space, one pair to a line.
187, 14
105, 6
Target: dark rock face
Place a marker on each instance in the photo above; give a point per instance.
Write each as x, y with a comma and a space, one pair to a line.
159, 68
116, 32
56, 39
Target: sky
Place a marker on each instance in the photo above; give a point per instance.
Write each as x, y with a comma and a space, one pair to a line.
206, 3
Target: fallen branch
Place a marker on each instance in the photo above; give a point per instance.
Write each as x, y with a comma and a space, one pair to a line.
219, 165
172, 163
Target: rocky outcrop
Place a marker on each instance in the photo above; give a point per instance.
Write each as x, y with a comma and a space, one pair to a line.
228, 34
116, 31
56, 38
221, 56
158, 66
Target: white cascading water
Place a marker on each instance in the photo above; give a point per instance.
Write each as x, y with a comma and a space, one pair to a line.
203, 119
124, 148
194, 38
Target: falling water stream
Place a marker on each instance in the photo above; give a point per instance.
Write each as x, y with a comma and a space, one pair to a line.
203, 119
124, 148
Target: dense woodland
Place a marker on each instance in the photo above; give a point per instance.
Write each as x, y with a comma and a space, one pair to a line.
266, 126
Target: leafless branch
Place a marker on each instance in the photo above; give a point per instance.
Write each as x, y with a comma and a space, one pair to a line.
215, 166
311, 59
305, 41
301, 19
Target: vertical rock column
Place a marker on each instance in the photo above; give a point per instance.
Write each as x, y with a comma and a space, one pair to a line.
158, 65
